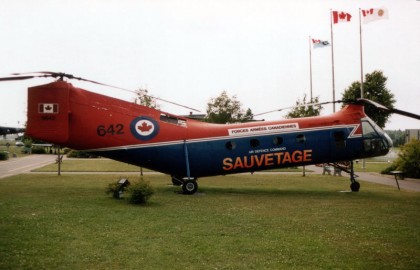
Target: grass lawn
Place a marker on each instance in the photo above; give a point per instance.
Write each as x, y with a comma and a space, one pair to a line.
234, 222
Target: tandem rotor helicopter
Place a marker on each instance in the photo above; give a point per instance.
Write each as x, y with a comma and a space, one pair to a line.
187, 149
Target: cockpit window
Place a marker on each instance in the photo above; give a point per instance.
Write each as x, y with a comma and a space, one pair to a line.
368, 130
375, 141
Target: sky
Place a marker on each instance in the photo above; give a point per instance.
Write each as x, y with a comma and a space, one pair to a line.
190, 51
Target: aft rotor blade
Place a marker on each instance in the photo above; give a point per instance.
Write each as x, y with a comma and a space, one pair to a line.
61, 75
17, 78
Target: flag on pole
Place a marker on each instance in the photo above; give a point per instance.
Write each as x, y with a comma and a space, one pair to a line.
374, 14
317, 43
341, 16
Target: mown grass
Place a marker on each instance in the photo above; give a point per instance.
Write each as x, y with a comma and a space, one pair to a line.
234, 222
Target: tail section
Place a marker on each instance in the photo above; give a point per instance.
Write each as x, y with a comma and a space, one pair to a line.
48, 112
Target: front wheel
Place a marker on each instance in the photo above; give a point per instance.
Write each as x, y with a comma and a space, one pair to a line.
355, 186
189, 187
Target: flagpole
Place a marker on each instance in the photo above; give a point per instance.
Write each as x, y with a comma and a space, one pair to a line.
332, 60
361, 55
310, 67
361, 69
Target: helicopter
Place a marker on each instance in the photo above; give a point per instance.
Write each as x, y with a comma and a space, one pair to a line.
187, 149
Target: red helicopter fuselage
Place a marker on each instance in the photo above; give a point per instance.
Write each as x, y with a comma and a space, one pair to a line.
68, 116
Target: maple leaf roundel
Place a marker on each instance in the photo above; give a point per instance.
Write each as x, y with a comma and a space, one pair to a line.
144, 128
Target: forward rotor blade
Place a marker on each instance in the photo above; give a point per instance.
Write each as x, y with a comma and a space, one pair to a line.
297, 106
389, 110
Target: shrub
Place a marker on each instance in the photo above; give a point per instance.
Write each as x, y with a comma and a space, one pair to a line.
38, 150
408, 160
4, 155
114, 189
80, 154
140, 192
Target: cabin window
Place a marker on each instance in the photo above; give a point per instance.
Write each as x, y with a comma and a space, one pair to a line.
173, 120
278, 140
254, 142
300, 138
339, 139
230, 145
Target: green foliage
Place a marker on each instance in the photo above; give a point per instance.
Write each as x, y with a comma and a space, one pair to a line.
374, 88
143, 98
140, 192
408, 160
38, 150
224, 109
4, 155
305, 111
114, 189
80, 154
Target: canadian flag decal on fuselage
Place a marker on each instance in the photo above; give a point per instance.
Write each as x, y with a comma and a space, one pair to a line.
48, 108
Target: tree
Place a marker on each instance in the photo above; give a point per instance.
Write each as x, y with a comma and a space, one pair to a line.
304, 111
374, 88
224, 109
143, 98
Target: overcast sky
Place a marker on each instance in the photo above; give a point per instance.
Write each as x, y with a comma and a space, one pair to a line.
189, 51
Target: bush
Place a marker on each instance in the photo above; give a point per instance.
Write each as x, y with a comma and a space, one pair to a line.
408, 160
38, 150
4, 155
114, 189
80, 154
140, 192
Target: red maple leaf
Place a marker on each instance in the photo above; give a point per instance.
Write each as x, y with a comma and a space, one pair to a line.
144, 127
342, 15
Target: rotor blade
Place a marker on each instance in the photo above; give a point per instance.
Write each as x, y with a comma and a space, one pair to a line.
17, 78
132, 91
297, 106
408, 114
70, 76
389, 110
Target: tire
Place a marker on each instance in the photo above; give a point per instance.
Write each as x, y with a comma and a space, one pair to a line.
190, 187
355, 186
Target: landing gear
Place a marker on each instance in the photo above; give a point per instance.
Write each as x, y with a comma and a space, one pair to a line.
354, 186
189, 186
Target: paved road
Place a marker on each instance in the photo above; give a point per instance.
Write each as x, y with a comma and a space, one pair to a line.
389, 180
24, 164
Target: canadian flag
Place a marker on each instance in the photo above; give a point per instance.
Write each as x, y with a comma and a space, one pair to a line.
48, 108
317, 43
373, 14
341, 16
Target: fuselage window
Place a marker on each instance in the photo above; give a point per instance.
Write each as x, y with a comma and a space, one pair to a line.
278, 140
230, 145
173, 120
339, 139
254, 142
300, 138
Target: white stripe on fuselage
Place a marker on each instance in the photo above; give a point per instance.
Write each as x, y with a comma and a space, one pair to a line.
209, 139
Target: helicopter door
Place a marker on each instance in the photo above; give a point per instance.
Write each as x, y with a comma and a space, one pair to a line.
339, 144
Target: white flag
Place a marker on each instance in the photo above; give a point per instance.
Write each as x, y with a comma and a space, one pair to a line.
317, 43
374, 14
